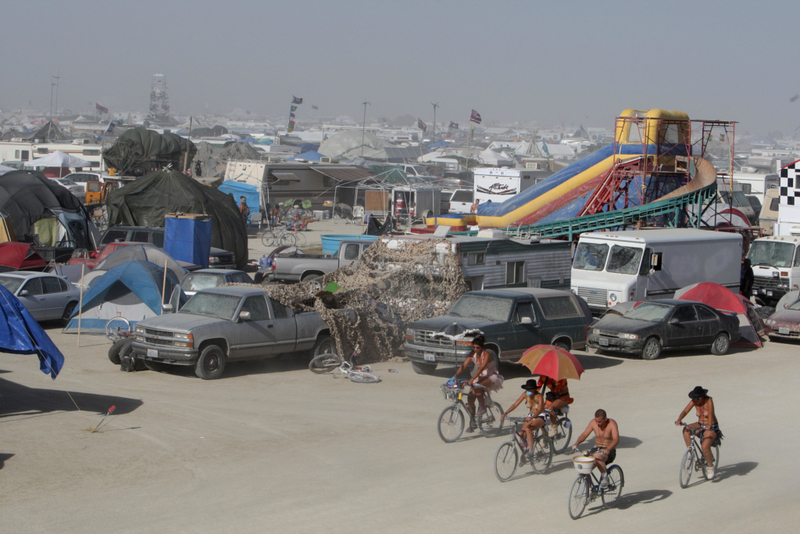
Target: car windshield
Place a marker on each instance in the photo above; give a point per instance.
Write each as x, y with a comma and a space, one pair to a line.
792, 306
491, 309
624, 260
198, 281
212, 305
772, 253
67, 182
11, 283
649, 311
590, 256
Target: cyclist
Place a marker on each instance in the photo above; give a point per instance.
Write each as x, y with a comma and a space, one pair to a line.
606, 439
707, 420
556, 398
486, 377
536, 417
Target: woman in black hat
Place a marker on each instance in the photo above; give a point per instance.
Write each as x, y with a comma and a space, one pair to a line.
707, 420
536, 417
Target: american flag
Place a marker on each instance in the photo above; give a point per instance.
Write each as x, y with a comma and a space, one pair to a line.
476, 117
421, 125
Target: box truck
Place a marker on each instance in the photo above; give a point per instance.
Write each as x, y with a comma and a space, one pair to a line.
613, 267
776, 266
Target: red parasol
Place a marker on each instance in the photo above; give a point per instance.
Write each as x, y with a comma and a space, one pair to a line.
553, 362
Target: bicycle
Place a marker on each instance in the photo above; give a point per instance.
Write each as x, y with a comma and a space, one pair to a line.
564, 430
514, 453
451, 421
325, 363
693, 459
587, 488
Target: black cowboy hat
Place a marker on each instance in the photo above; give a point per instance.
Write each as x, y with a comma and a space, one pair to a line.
530, 384
697, 393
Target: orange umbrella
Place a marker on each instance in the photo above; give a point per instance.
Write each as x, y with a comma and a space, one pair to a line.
553, 362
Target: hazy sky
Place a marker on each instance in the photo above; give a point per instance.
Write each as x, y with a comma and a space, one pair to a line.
571, 61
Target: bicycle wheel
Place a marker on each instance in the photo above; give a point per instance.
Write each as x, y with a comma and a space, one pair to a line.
268, 238
489, 422
616, 480
115, 323
562, 439
715, 453
451, 424
542, 454
363, 377
505, 461
300, 239
578, 496
287, 239
687, 466
324, 363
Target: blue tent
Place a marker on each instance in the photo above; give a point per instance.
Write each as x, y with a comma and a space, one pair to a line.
309, 147
249, 192
308, 156
131, 290
21, 334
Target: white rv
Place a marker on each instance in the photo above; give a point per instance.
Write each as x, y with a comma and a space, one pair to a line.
498, 184
609, 268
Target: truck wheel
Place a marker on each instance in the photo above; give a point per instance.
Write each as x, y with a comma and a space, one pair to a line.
324, 345
113, 352
423, 368
314, 286
652, 349
562, 345
211, 363
721, 344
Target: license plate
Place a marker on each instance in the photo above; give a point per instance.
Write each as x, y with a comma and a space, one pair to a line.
603, 342
784, 331
152, 353
429, 357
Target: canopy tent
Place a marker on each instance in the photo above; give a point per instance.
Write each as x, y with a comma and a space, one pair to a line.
131, 290
57, 159
140, 150
37, 207
20, 257
721, 298
145, 202
21, 334
249, 192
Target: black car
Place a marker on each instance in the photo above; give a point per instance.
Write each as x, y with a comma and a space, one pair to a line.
218, 258
659, 325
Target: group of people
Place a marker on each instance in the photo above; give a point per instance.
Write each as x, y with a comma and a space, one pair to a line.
543, 409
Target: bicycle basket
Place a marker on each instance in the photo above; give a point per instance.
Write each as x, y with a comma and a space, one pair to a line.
583, 464
449, 392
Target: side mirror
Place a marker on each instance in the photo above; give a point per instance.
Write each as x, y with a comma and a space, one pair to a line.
167, 308
244, 316
24, 293
674, 321
525, 320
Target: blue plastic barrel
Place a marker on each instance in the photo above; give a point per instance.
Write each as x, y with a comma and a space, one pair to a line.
330, 243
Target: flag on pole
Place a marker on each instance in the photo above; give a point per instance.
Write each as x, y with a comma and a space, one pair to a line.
421, 125
476, 117
453, 125
794, 98
544, 149
296, 100
314, 107
293, 108
100, 108
291, 116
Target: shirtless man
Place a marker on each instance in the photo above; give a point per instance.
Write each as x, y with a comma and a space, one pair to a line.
606, 439
536, 415
707, 420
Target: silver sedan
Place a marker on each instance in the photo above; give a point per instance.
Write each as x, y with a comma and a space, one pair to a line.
45, 296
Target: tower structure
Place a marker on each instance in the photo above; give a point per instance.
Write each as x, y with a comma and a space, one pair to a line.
159, 101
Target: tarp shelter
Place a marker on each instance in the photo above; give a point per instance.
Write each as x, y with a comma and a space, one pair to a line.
147, 200
311, 155
140, 150
57, 164
20, 257
249, 192
34, 205
21, 334
721, 298
131, 290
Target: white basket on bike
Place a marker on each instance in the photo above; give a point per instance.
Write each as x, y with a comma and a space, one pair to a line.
583, 464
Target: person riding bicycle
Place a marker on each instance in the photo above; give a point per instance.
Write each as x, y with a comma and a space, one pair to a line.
606, 439
485, 376
706, 420
536, 417
556, 398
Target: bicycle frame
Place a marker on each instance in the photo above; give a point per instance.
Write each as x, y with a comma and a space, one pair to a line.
696, 460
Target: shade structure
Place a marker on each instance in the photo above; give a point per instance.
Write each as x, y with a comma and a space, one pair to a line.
551, 361
57, 159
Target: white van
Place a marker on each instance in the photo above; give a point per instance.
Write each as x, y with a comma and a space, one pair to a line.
609, 268
776, 266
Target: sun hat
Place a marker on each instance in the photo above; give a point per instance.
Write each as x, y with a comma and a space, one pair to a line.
530, 384
697, 393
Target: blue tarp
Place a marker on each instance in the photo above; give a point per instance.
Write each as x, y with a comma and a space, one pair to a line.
249, 192
188, 240
308, 147
311, 155
21, 334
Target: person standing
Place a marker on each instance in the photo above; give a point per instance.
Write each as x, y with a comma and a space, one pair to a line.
746, 279
474, 208
244, 211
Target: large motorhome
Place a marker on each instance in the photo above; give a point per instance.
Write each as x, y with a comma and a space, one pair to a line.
27, 150
498, 184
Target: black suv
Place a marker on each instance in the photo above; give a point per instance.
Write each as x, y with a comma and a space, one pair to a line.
218, 259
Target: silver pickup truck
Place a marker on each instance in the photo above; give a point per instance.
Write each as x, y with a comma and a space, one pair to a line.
297, 267
229, 324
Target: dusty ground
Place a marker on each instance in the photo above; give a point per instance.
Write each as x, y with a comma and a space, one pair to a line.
272, 448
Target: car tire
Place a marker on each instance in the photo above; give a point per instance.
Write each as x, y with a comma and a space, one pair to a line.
114, 351
68, 311
423, 368
562, 345
721, 344
211, 363
651, 349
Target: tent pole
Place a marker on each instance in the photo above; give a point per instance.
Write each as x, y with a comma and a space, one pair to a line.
80, 305
164, 286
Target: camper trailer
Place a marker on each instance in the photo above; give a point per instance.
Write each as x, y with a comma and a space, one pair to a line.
499, 184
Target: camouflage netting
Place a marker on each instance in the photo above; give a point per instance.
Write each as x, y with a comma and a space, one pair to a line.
387, 289
212, 159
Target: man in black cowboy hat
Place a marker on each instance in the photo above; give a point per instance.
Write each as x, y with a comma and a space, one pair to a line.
536, 417
707, 420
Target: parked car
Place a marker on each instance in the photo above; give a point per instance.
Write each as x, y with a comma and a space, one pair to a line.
208, 278
785, 322
219, 258
76, 189
45, 296
666, 324
512, 320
